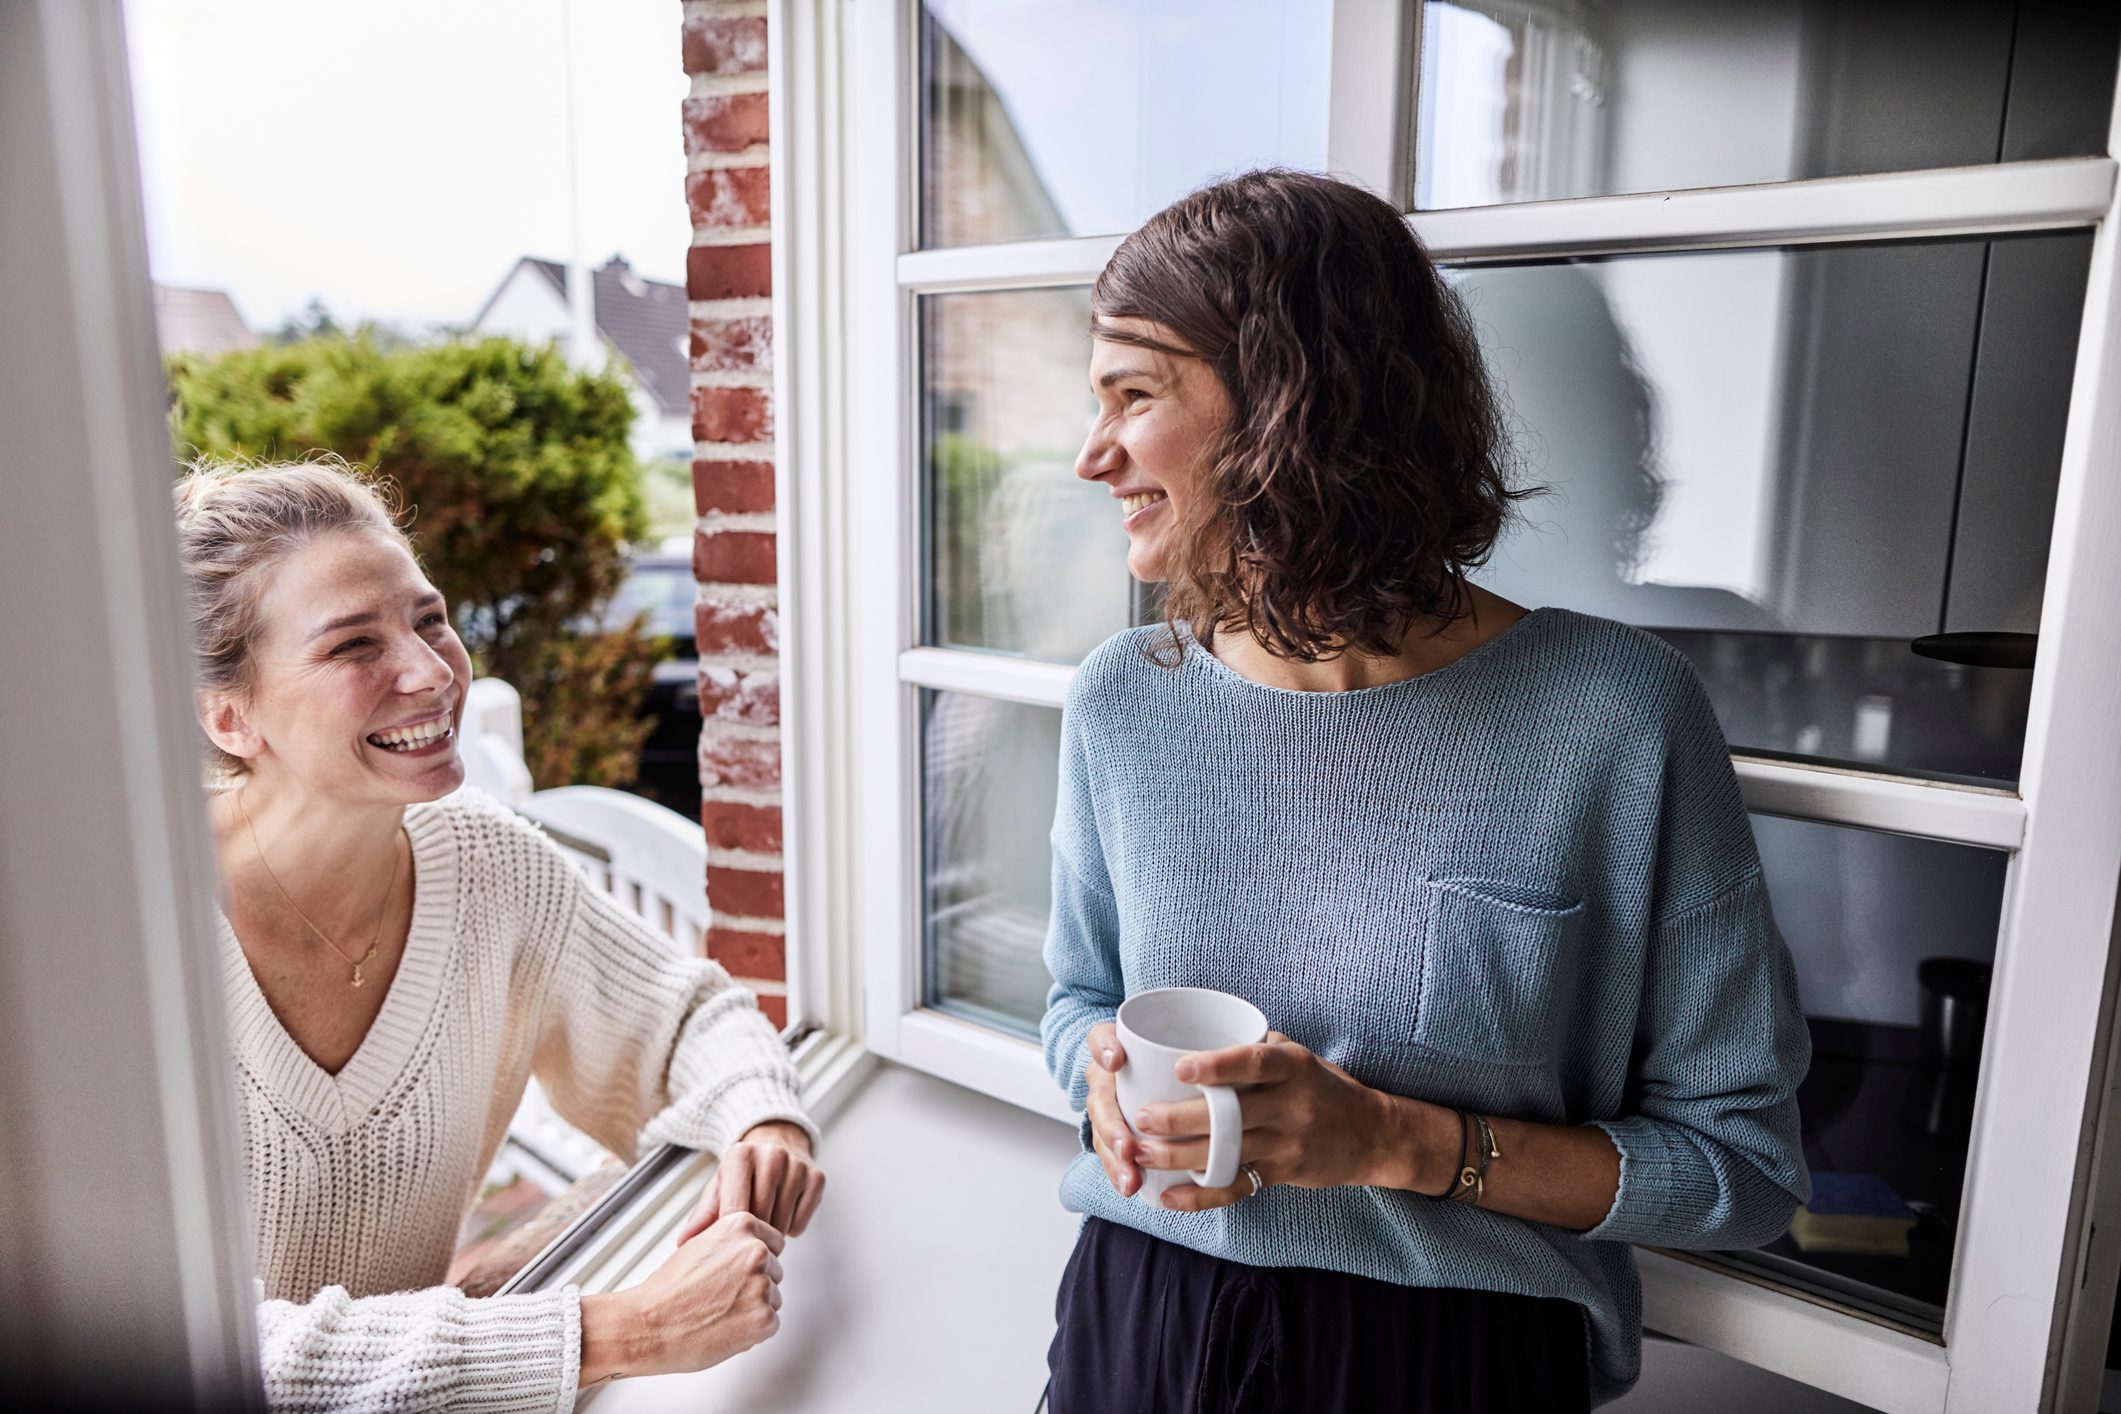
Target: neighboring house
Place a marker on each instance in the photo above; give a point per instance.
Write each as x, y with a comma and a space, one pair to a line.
643, 321
199, 321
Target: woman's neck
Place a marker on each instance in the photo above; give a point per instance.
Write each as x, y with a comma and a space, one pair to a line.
326, 854
1423, 649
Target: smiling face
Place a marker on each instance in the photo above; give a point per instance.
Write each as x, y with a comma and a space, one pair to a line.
357, 679
1160, 418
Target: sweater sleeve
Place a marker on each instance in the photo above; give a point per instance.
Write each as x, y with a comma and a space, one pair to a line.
421, 1350
1711, 1156
638, 1041
1082, 941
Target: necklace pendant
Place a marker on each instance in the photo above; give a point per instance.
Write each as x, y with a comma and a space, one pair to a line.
357, 978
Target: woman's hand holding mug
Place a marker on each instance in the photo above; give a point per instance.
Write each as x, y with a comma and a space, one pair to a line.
1136, 1067
1307, 1123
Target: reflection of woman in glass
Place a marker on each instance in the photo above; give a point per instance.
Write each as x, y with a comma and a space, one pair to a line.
399, 964
1486, 871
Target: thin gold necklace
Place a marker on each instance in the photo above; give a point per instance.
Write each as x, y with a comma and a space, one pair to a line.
382, 910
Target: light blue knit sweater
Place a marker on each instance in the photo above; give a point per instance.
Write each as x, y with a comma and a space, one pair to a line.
1523, 883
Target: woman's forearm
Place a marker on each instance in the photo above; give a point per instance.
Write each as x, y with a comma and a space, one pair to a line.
1563, 1174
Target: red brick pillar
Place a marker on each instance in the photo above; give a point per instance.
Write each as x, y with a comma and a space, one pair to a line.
728, 278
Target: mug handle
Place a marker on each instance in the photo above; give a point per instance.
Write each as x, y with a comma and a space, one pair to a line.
1226, 1131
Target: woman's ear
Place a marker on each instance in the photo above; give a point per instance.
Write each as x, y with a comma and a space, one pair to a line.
227, 725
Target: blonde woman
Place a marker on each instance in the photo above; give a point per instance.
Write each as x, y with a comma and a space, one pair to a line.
401, 957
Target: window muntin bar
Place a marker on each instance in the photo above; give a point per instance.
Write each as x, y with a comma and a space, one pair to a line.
2018, 196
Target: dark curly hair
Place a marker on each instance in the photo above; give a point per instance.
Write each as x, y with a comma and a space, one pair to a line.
1363, 470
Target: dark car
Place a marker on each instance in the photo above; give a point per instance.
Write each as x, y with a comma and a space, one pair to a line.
661, 586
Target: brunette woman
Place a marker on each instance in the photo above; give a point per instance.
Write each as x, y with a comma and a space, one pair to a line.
1486, 871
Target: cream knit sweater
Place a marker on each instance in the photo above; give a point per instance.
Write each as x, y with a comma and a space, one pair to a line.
514, 966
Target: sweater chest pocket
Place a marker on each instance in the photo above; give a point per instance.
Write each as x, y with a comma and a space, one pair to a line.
1497, 959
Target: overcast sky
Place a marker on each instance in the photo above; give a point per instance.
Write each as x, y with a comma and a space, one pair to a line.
394, 157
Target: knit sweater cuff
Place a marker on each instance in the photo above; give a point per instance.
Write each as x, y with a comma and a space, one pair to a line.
1660, 1175
423, 1349
739, 1100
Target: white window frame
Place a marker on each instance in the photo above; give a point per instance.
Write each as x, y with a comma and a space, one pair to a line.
2027, 1271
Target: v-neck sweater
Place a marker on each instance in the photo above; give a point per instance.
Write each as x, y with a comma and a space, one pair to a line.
514, 966
1523, 884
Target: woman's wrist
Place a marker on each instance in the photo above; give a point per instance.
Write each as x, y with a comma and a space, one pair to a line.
1418, 1146
615, 1341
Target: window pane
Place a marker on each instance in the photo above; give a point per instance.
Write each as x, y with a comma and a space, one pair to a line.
1527, 101
1084, 117
1022, 556
1793, 463
1893, 939
989, 772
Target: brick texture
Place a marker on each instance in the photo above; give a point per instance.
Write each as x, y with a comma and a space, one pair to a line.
728, 271
748, 954
750, 827
740, 345
753, 630
731, 354
724, 122
731, 695
745, 763
733, 557
732, 415
733, 488
722, 198
725, 45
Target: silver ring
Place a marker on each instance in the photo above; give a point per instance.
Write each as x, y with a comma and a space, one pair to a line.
1257, 1182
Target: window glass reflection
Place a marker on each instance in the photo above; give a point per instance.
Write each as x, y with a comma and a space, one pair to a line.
1893, 940
1023, 556
1528, 100
1795, 463
1084, 117
990, 772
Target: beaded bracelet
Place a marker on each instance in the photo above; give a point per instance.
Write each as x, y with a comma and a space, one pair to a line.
1472, 1184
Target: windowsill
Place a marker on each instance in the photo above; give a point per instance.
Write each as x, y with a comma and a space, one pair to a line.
926, 1282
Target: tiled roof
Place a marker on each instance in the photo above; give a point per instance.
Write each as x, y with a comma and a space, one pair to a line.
645, 320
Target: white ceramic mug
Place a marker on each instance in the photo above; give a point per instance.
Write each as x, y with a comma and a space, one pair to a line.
1156, 1029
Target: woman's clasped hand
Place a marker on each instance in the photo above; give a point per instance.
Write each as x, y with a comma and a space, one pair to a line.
1307, 1123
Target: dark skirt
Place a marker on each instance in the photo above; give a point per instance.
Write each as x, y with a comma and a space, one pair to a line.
1149, 1327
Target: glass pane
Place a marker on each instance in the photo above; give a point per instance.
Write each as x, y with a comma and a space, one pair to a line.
1022, 556
1084, 117
989, 774
1527, 100
1893, 940
1794, 463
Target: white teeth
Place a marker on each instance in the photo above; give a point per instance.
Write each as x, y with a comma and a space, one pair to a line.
1135, 503
413, 737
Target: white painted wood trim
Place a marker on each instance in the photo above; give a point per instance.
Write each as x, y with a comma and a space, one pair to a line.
1950, 201
1803, 1340
1933, 810
1022, 680
2028, 1171
122, 1226
881, 492
980, 1058
1370, 96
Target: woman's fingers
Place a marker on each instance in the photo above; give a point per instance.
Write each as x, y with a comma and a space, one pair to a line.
1174, 1154
1192, 1198
704, 1214
733, 1179
1267, 1064
1105, 1049
812, 1195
